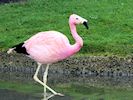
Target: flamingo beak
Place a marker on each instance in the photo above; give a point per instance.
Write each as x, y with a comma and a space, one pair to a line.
85, 24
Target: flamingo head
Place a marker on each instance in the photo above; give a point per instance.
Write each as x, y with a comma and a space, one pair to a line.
76, 19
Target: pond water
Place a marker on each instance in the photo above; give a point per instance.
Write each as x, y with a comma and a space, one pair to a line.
111, 88
13, 95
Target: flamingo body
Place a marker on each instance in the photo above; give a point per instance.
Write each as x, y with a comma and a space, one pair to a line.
48, 47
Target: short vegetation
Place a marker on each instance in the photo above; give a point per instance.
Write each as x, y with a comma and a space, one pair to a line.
110, 23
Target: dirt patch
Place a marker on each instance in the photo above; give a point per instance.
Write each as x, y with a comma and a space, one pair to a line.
78, 66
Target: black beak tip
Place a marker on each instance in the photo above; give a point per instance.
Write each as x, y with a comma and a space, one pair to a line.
86, 25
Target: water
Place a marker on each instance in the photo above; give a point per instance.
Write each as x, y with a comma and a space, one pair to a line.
13, 95
80, 92
88, 90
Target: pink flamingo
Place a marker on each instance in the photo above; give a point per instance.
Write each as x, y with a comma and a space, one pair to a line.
51, 46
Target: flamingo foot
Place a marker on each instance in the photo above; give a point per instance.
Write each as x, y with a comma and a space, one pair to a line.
59, 94
52, 95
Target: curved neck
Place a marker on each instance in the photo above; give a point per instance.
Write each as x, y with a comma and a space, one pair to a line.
77, 38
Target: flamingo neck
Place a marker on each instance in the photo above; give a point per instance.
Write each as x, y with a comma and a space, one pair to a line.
78, 40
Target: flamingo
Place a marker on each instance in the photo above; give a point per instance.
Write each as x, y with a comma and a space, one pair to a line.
49, 47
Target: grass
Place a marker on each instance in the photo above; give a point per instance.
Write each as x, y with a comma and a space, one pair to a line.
78, 92
111, 23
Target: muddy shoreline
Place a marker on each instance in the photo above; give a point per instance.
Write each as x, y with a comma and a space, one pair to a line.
82, 64
88, 69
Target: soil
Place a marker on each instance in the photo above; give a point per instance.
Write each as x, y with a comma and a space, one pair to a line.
78, 66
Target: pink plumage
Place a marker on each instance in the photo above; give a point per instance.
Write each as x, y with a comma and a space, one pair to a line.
48, 47
51, 46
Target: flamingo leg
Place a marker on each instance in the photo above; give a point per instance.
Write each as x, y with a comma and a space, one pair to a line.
36, 79
45, 79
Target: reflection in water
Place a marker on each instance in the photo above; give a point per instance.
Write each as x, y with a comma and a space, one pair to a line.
47, 97
94, 80
13, 95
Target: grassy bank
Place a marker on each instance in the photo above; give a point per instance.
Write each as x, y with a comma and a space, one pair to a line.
78, 92
111, 24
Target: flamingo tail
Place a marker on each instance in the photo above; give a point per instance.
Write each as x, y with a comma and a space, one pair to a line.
19, 48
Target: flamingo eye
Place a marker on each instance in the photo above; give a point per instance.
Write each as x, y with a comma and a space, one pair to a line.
76, 18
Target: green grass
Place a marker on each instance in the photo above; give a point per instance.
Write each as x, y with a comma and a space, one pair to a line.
111, 23
78, 92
